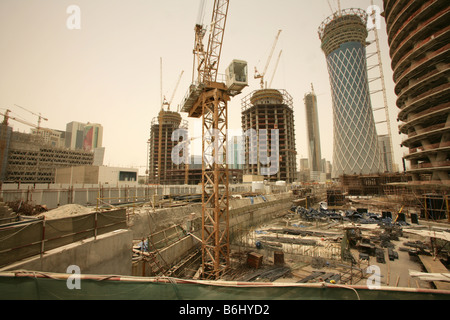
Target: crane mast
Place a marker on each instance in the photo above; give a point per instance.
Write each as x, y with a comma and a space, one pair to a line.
208, 99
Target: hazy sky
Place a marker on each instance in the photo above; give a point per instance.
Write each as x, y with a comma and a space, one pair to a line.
108, 71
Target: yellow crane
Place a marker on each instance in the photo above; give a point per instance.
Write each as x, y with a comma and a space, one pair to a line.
262, 75
40, 117
208, 99
6, 118
275, 69
169, 103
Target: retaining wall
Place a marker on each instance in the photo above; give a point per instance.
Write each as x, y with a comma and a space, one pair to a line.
244, 214
110, 253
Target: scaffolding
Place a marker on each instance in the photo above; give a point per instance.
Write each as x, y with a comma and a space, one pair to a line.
341, 27
386, 149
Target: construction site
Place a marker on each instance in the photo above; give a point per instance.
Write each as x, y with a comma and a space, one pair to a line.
218, 231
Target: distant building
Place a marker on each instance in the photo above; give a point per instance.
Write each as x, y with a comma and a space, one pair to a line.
304, 164
55, 138
28, 158
74, 135
313, 132
385, 146
304, 173
93, 136
97, 175
83, 136
236, 152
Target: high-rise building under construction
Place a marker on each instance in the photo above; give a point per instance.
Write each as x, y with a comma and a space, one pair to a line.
355, 149
418, 37
268, 123
313, 132
162, 168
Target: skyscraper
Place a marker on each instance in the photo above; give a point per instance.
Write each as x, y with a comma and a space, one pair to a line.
268, 114
418, 37
385, 147
162, 168
355, 148
83, 136
313, 136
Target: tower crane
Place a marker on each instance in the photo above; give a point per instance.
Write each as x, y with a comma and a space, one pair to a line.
275, 69
169, 103
40, 117
208, 99
262, 75
6, 118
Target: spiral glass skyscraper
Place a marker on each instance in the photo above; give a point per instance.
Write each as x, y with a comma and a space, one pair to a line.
355, 142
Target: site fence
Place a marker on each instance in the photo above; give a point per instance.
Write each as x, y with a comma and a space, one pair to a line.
55, 195
28, 238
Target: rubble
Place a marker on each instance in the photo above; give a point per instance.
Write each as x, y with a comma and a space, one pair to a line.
336, 246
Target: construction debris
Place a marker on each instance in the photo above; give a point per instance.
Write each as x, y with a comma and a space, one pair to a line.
263, 275
26, 208
66, 211
254, 260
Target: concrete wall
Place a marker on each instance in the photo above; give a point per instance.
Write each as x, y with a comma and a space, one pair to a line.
110, 175
52, 195
146, 220
109, 254
77, 175
244, 214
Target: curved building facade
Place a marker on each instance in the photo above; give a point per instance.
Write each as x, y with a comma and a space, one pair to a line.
355, 142
419, 42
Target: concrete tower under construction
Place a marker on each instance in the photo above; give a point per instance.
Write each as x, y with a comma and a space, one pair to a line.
355, 149
162, 169
268, 125
419, 37
313, 132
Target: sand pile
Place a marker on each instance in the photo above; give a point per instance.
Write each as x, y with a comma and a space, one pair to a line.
66, 211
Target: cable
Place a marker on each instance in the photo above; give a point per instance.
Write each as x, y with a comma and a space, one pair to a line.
346, 287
